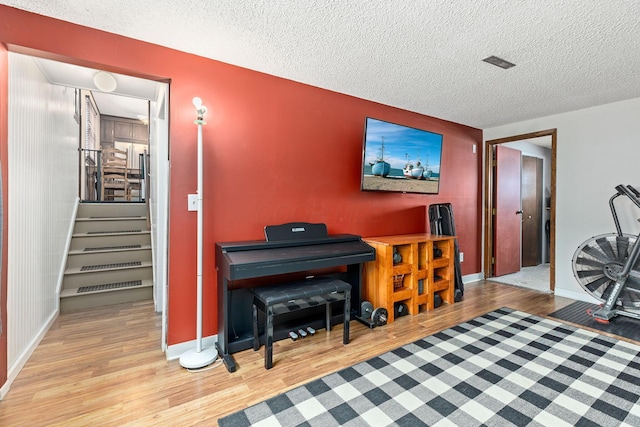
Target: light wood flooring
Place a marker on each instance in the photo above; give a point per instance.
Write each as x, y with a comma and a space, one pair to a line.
104, 366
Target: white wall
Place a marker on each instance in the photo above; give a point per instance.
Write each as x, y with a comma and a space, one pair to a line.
42, 187
597, 149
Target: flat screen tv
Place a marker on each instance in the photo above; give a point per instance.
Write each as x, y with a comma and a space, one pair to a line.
400, 158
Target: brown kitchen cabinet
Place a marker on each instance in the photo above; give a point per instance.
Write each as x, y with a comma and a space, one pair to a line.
123, 130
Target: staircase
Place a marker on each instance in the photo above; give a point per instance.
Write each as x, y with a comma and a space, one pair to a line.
109, 261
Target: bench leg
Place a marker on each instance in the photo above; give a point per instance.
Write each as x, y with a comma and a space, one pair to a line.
347, 317
328, 317
256, 337
268, 332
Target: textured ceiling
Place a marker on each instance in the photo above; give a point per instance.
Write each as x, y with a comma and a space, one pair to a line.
423, 56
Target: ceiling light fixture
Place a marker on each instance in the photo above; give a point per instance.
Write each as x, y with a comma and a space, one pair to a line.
499, 62
104, 81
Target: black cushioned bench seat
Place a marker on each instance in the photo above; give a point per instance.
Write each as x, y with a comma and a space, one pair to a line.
294, 296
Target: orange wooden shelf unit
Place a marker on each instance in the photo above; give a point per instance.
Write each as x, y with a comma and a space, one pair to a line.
414, 280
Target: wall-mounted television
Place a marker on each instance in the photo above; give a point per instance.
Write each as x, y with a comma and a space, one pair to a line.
400, 158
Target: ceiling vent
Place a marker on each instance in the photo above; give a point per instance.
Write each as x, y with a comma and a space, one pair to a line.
499, 62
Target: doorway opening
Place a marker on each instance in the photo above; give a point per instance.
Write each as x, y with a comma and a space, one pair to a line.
492, 204
114, 147
135, 103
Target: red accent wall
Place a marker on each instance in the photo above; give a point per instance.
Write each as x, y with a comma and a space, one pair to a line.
275, 151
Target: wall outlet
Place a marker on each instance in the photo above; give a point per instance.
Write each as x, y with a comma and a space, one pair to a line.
461, 256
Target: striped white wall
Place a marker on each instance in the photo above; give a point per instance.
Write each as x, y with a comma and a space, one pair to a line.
43, 187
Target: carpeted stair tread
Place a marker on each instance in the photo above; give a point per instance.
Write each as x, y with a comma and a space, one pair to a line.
108, 267
105, 287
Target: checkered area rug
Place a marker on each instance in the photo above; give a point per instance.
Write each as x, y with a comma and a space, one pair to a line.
504, 368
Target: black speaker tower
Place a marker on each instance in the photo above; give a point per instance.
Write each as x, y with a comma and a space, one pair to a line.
441, 222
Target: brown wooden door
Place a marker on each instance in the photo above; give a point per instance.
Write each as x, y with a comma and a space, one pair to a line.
507, 218
531, 211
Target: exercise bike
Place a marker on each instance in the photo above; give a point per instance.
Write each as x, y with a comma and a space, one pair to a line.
607, 267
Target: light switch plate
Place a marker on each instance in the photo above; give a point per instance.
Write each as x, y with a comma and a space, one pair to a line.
192, 202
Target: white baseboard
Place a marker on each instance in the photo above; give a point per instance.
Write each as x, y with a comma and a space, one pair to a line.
469, 278
578, 296
23, 358
175, 351
63, 263
4, 389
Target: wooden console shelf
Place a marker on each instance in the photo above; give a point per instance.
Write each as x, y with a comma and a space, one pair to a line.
416, 278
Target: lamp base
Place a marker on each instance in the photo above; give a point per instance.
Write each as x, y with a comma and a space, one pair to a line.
193, 359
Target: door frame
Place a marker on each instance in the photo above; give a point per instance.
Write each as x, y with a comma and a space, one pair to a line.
489, 205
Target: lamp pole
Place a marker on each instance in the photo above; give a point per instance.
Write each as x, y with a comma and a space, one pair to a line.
199, 358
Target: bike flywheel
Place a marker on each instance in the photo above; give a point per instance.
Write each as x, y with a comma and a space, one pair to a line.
597, 264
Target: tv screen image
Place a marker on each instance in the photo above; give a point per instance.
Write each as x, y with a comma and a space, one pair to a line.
400, 158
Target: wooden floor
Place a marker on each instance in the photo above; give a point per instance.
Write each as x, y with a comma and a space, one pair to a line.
104, 366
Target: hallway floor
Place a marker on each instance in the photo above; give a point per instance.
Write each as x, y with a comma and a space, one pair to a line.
534, 278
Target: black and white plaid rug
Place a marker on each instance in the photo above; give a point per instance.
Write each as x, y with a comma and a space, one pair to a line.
503, 368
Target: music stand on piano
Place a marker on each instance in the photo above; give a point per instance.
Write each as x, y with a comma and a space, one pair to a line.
295, 231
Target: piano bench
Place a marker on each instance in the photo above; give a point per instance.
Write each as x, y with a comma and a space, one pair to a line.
294, 296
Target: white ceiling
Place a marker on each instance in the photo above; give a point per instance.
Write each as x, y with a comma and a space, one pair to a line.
423, 56
129, 99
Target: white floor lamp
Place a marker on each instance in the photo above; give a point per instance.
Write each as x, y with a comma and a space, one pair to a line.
199, 358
